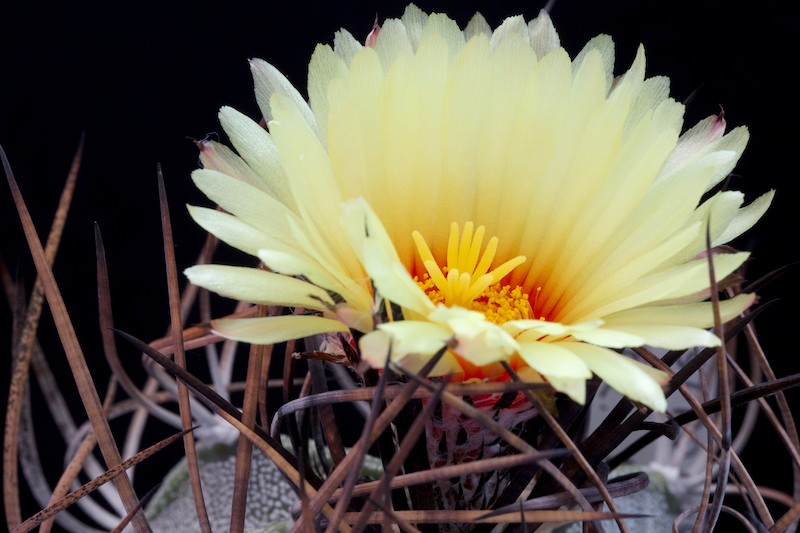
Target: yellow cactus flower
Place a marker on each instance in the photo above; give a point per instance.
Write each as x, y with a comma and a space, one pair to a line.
477, 189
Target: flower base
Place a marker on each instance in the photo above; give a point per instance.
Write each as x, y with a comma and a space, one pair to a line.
453, 438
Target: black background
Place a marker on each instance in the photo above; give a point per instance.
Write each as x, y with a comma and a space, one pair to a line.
143, 79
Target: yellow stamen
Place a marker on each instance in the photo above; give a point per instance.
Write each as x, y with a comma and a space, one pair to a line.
488, 257
475, 250
466, 281
464, 247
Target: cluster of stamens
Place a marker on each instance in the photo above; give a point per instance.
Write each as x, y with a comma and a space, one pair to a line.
466, 280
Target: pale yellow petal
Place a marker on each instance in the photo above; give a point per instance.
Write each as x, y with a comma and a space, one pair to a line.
718, 212
512, 26
268, 81
353, 137
324, 67
346, 46
746, 217
683, 280
530, 330
734, 141
630, 262
601, 218
694, 142
476, 339
574, 388
554, 361
609, 338
724, 264
372, 244
356, 319
257, 148
652, 93
314, 188
414, 20
638, 382
604, 45
543, 36
606, 175
592, 332
303, 158
704, 138
699, 315
393, 41
658, 228
411, 344
477, 25
294, 264
230, 230
217, 156
259, 287
440, 26
244, 201
280, 256
415, 337
271, 330
351, 285
669, 336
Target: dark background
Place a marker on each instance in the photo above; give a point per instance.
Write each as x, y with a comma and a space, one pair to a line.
143, 79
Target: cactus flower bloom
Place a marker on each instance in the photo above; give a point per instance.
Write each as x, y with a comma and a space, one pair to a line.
479, 190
